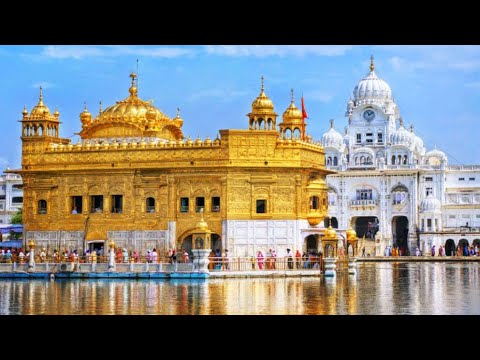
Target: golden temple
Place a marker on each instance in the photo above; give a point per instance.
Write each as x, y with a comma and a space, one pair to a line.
135, 179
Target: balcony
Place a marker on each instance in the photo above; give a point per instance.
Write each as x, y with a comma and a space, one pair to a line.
364, 204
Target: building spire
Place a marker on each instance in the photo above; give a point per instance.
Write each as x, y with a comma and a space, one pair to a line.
291, 93
85, 106
401, 122
263, 87
372, 64
411, 128
100, 107
331, 123
133, 89
40, 100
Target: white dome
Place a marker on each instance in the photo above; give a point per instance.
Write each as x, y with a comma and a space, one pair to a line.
372, 87
332, 138
430, 204
401, 136
417, 142
437, 153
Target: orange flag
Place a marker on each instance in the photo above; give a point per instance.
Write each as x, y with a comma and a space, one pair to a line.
304, 116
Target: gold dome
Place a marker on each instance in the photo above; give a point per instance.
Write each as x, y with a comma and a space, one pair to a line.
202, 224
177, 120
351, 234
330, 233
40, 110
85, 116
130, 117
262, 102
56, 113
25, 111
292, 114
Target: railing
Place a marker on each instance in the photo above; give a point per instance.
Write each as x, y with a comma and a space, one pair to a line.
184, 209
264, 264
363, 202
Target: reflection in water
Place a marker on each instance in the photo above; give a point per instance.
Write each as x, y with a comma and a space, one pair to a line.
378, 288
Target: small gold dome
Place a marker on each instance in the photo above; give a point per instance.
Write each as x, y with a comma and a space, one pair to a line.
177, 120
85, 116
208, 141
216, 142
262, 102
330, 233
202, 224
25, 111
198, 141
40, 109
56, 113
189, 141
351, 234
292, 114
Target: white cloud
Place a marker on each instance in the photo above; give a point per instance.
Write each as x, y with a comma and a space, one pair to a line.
224, 95
80, 52
43, 84
321, 96
411, 58
277, 50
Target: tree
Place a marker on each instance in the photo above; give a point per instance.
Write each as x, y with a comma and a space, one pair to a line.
17, 218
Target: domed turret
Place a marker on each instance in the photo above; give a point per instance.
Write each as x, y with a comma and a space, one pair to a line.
85, 116
178, 121
401, 136
330, 233
56, 113
430, 204
40, 111
332, 138
292, 120
435, 157
372, 87
417, 142
351, 234
262, 117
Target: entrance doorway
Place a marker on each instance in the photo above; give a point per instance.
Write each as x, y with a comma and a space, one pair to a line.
366, 225
400, 233
96, 246
216, 243
311, 244
187, 245
450, 247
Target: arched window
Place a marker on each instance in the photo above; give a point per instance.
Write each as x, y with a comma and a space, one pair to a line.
42, 206
329, 160
297, 133
314, 203
150, 205
399, 159
393, 159
404, 159
335, 161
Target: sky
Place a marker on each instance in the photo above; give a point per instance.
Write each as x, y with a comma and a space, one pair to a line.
437, 88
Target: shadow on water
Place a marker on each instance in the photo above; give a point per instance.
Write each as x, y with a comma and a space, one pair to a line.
378, 288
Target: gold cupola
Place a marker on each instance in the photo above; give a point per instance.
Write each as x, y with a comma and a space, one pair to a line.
292, 120
133, 117
40, 110
25, 112
263, 116
177, 120
329, 233
351, 234
85, 116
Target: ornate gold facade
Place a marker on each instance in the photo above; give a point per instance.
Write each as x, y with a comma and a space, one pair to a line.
133, 166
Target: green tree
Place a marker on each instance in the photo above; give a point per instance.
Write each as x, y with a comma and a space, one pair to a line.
17, 218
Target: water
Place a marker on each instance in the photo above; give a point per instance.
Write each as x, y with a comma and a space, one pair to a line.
378, 288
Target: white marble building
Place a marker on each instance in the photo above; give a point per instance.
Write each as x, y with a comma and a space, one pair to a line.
11, 196
387, 177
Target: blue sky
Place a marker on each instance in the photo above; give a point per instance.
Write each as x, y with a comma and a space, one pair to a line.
437, 88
